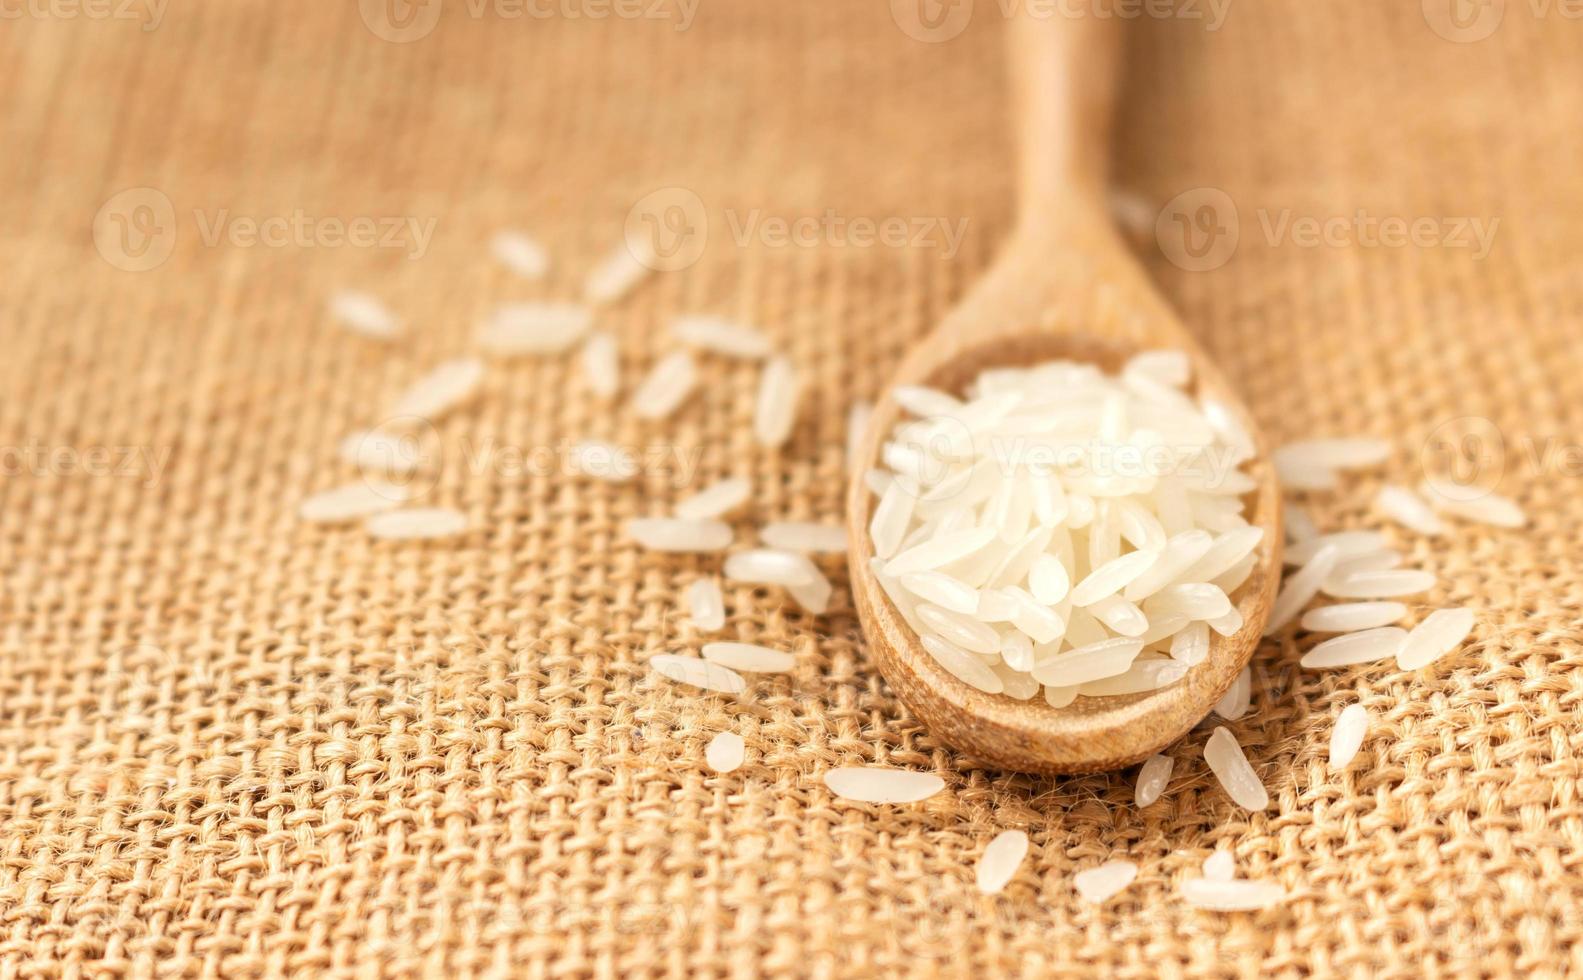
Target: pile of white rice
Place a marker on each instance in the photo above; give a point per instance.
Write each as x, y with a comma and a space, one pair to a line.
1056, 530
1065, 529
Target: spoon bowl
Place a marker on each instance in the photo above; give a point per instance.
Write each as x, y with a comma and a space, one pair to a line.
1082, 321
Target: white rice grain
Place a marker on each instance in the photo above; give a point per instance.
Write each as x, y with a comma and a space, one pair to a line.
1486, 508
719, 335
1408, 509
534, 328
1234, 703
725, 752
1299, 526
1231, 768
1100, 884
1388, 584
813, 595
1000, 860
857, 419
1348, 544
417, 524
677, 534
615, 275
363, 313
775, 411
442, 389
601, 365
749, 657
381, 451
1364, 646
1142, 677
1335, 454
716, 500
1153, 776
962, 665
1214, 895
697, 672
351, 502
768, 566
1350, 616
666, 386
603, 461
521, 254
706, 605
1191, 645
1440, 632
876, 784
1220, 866
1352, 725
1299, 589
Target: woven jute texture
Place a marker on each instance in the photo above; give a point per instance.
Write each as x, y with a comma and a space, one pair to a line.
232, 743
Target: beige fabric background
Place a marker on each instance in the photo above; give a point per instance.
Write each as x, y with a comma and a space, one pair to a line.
233, 744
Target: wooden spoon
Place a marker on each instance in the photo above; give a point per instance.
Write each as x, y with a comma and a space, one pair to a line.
1065, 286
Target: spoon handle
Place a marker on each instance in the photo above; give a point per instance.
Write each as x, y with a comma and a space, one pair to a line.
1065, 267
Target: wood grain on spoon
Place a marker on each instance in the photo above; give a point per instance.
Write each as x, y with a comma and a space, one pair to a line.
1064, 286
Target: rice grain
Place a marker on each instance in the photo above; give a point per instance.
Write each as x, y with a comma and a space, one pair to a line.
725, 752
876, 784
1441, 632
534, 328
749, 657
1153, 776
363, 313
521, 254
706, 605
416, 524
721, 336
1100, 884
1364, 646
1231, 768
698, 673
775, 411
1352, 725
351, 502
442, 389
666, 386
1000, 860
716, 500
677, 534
601, 365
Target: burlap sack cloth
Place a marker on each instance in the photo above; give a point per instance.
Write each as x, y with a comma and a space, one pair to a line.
233, 743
